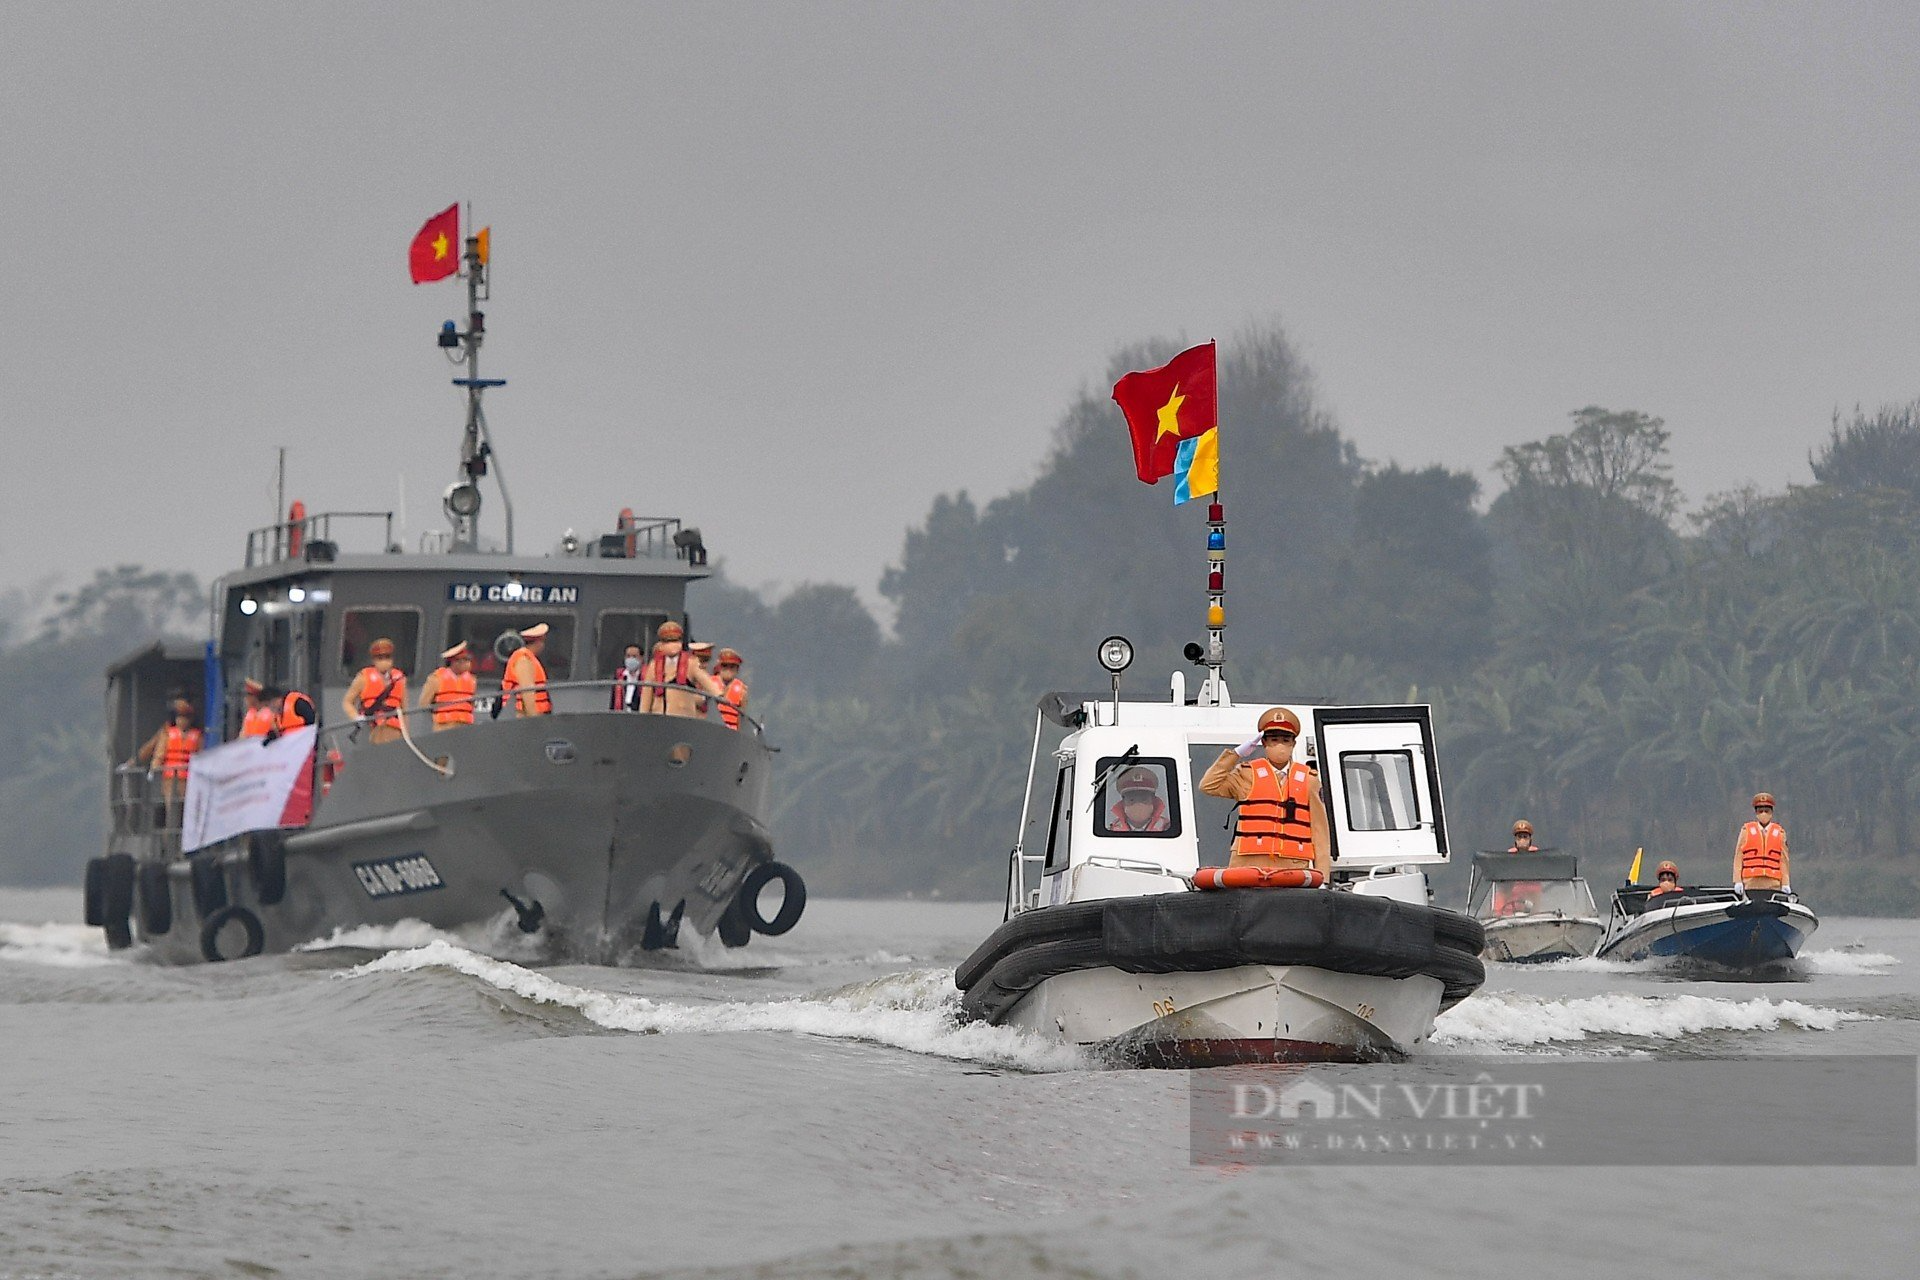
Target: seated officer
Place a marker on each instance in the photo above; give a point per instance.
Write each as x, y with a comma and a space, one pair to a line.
1140, 808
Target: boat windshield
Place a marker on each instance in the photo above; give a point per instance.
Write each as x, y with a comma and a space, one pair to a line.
1495, 899
1138, 801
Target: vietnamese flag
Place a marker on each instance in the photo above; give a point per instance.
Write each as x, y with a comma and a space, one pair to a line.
1178, 401
435, 254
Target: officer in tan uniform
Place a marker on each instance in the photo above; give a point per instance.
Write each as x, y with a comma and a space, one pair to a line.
1281, 820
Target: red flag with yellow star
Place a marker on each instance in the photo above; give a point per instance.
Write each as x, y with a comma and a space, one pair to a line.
435, 254
1178, 401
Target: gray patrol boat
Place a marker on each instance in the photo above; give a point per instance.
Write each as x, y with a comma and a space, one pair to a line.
596, 834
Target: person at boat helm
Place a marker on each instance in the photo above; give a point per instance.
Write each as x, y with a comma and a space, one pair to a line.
378, 693
449, 690
1140, 807
1280, 821
525, 681
1667, 879
733, 696
171, 749
671, 665
260, 718
1522, 838
296, 711
1760, 855
626, 681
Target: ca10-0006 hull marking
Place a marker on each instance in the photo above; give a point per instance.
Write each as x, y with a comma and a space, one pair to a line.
389, 877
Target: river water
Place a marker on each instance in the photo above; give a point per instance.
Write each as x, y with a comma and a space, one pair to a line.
402, 1104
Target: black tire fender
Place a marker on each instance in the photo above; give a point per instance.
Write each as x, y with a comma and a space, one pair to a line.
209, 885
267, 859
733, 927
210, 933
96, 892
156, 897
790, 909
117, 899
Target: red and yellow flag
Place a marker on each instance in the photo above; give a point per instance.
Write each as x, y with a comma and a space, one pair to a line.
1178, 401
435, 253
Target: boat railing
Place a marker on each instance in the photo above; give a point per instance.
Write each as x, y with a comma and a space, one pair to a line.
569, 697
142, 807
313, 538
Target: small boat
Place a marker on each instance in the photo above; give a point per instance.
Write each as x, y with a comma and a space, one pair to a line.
1534, 906
1107, 944
1730, 928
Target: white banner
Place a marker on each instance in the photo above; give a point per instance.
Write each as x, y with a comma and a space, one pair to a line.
248, 785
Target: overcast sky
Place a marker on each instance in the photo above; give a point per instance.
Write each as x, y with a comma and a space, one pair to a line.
788, 271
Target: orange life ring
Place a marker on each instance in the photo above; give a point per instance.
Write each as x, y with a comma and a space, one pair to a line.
1258, 878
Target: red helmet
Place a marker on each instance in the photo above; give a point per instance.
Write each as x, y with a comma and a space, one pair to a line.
1764, 800
728, 658
381, 648
1139, 779
1666, 868
670, 630
1523, 828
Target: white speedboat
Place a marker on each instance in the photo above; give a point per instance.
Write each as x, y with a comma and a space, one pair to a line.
1107, 945
1729, 928
1534, 906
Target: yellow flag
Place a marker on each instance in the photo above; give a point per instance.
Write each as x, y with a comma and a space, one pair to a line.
486, 234
1633, 876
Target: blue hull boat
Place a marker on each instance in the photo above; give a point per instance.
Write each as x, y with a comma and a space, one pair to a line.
1721, 927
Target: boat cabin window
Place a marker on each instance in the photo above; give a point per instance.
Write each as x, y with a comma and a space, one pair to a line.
616, 629
1380, 793
1495, 898
1138, 800
359, 628
1057, 835
493, 634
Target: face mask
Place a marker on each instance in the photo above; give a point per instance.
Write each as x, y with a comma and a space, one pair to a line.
633, 663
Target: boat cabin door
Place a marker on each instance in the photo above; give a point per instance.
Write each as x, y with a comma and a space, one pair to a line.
1382, 785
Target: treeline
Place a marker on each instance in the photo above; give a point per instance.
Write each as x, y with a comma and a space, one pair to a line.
1619, 671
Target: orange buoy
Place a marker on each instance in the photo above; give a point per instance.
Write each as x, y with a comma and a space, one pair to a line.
1258, 878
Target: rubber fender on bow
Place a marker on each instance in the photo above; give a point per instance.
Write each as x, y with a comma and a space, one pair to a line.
209, 885
156, 897
1258, 878
790, 907
117, 899
267, 859
96, 893
210, 933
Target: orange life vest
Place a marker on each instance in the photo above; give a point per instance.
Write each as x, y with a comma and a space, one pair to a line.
291, 717
1763, 852
524, 671
382, 698
258, 723
1275, 822
181, 744
453, 697
655, 672
732, 699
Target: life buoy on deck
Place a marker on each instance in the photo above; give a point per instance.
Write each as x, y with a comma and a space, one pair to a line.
1258, 878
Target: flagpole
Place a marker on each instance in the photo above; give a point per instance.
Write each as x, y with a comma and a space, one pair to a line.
1215, 691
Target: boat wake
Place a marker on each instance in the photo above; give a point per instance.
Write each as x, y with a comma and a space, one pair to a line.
1506, 1020
63, 946
1847, 964
914, 1011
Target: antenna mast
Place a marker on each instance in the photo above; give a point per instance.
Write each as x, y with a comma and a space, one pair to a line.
462, 499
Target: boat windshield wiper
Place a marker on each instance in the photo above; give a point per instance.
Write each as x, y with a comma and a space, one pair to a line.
1100, 783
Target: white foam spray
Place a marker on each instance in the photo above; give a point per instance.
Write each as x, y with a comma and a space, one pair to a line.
911, 1011
63, 946
1506, 1019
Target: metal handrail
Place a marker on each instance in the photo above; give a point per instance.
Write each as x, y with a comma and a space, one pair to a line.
272, 543
482, 707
